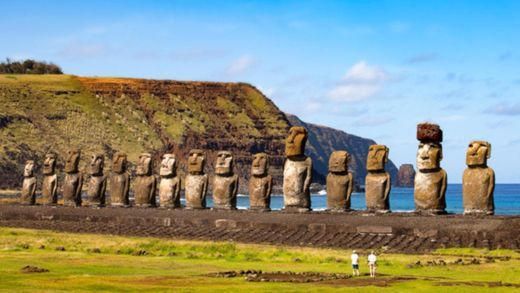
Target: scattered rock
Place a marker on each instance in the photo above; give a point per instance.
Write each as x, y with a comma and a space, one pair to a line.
60, 248
140, 252
33, 269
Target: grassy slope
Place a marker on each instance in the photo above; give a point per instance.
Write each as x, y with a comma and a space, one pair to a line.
179, 265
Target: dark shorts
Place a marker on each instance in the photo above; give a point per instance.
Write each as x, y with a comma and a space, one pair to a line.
355, 267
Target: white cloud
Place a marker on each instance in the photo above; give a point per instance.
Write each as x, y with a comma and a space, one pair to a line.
240, 65
361, 81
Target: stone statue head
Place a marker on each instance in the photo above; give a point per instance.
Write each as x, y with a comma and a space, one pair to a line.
196, 161
28, 170
224, 165
72, 161
260, 164
338, 161
168, 165
119, 163
477, 154
49, 164
429, 156
377, 157
144, 166
295, 142
97, 163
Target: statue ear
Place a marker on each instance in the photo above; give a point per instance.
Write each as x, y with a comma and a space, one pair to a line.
489, 151
387, 151
440, 153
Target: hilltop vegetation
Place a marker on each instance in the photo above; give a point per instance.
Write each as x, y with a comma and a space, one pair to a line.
29, 66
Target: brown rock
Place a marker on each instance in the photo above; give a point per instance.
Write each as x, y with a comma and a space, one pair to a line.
430, 180
478, 181
145, 184
260, 183
119, 181
428, 132
297, 172
225, 183
73, 182
196, 183
28, 195
50, 180
377, 182
405, 176
339, 182
170, 185
98, 181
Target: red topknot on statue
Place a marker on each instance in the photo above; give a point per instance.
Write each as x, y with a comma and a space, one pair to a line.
429, 132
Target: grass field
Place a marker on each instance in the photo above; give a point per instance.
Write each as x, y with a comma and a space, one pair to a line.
84, 262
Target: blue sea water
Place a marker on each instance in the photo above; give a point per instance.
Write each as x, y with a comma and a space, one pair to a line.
507, 200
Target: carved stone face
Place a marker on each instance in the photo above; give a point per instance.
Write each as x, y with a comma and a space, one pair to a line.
338, 161
119, 162
168, 165
224, 165
477, 154
196, 162
28, 170
295, 142
49, 164
260, 164
144, 166
429, 156
97, 163
377, 157
72, 161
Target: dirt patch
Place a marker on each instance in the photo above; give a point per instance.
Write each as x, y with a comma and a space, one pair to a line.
362, 282
478, 284
33, 269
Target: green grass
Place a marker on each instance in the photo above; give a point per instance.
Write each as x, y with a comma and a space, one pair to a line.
175, 265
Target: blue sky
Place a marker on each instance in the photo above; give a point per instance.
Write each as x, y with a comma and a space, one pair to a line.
370, 68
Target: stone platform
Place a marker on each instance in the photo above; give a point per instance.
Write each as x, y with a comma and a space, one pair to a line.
397, 232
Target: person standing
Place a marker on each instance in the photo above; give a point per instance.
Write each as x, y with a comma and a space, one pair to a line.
372, 260
355, 263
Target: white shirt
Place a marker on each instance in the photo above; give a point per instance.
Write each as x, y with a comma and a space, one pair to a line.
372, 259
354, 257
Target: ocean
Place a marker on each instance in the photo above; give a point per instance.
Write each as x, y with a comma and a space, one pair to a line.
507, 200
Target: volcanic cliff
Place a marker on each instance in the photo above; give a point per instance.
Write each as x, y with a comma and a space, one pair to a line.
42, 113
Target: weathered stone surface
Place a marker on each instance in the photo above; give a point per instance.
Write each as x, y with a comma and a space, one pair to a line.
119, 181
145, 184
50, 180
428, 132
196, 183
225, 183
430, 180
260, 183
297, 172
170, 185
405, 176
377, 182
339, 182
73, 182
98, 181
28, 195
478, 181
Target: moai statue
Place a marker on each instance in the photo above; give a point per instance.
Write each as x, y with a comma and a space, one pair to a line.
377, 181
170, 185
145, 183
98, 181
478, 181
225, 182
50, 180
339, 182
119, 181
28, 196
297, 172
73, 181
430, 179
260, 183
196, 182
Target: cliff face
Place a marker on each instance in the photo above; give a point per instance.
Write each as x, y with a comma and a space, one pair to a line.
324, 140
405, 176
